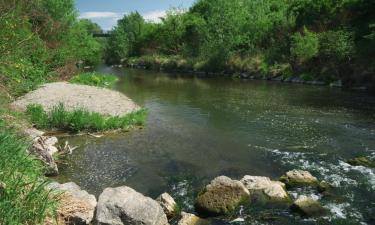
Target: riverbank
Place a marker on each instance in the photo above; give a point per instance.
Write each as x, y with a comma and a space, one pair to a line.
279, 72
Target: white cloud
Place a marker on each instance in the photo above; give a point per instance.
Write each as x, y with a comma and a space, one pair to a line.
154, 16
100, 15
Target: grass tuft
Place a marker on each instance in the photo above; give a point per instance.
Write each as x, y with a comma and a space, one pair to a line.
81, 119
95, 79
23, 197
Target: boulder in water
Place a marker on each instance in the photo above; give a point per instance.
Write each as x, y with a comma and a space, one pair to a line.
168, 204
262, 188
191, 219
308, 207
361, 161
125, 206
221, 196
299, 178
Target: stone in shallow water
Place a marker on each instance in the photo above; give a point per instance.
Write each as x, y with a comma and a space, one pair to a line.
76, 206
361, 161
125, 206
299, 178
191, 219
168, 204
221, 196
309, 207
265, 189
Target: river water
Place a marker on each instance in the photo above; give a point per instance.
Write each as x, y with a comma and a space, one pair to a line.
200, 128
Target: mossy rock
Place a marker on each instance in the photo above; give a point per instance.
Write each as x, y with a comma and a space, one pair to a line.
361, 161
222, 196
308, 207
297, 178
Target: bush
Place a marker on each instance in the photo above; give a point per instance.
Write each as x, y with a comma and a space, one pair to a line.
23, 197
337, 45
304, 47
81, 119
95, 79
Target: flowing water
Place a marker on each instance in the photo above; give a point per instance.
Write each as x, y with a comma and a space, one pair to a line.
200, 128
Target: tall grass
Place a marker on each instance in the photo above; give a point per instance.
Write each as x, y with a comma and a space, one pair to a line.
81, 119
23, 197
95, 79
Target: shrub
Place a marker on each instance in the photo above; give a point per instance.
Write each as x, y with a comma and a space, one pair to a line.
81, 119
95, 79
304, 47
336, 44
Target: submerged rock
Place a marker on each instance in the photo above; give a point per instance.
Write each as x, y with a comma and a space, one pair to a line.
324, 187
308, 207
299, 178
76, 206
221, 196
262, 188
361, 161
191, 219
168, 204
125, 206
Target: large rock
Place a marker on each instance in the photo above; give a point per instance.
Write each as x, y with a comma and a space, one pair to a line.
191, 219
168, 204
43, 148
125, 206
299, 178
76, 206
221, 196
262, 188
308, 207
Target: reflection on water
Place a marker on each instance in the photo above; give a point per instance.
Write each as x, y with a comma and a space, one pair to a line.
199, 128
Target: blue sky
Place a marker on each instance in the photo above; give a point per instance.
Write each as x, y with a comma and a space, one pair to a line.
107, 12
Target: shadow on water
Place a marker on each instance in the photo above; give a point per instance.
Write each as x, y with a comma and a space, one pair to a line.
199, 128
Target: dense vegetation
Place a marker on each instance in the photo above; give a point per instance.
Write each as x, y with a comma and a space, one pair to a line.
42, 40
81, 119
23, 197
313, 39
94, 79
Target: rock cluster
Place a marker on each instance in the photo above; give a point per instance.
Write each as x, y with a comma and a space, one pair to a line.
125, 206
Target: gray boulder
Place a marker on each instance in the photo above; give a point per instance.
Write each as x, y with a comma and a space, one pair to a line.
221, 196
168, 204
308, 207
299, 178
191, 219
76, 206
262, 188
125, 206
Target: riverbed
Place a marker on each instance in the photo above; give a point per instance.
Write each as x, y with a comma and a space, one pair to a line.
200, 127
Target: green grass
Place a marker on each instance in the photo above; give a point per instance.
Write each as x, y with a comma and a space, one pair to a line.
81, 119
23, 197
94, 79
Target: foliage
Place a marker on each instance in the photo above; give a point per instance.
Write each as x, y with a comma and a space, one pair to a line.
304, 47
323, 38
23, 197
81, 119
38, 38
94, 79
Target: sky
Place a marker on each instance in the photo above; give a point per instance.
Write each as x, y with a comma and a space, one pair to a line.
107, 12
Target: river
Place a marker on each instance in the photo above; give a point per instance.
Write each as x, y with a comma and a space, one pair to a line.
200, 128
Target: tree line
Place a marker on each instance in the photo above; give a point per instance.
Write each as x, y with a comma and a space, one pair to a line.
42, 40
327, 40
